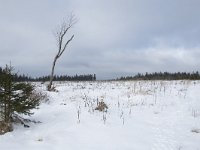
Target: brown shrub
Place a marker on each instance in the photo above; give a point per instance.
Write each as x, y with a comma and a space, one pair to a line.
101, 106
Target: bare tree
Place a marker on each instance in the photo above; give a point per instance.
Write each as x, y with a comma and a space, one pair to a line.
60, 35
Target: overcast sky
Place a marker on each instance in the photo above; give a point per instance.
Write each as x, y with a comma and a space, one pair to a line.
112, 37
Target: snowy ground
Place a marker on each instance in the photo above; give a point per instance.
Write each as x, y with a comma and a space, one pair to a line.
141, 115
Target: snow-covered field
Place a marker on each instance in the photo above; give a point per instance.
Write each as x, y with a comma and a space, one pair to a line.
141, 115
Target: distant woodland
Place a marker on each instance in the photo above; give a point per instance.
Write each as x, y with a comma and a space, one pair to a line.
164, 76
92, 77
23, 78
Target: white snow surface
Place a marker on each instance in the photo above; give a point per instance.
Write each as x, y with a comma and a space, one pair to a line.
141, 115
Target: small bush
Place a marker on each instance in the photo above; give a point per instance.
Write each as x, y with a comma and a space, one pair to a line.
15, 99
101, 106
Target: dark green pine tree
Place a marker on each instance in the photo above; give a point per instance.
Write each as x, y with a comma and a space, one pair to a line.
94, 77
15, 99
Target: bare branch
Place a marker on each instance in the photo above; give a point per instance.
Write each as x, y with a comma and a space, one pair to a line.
66, 45
73, 20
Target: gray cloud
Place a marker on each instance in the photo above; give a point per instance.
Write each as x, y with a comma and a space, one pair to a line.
112, 38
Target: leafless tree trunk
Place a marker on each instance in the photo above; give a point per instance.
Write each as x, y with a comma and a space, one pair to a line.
62, 44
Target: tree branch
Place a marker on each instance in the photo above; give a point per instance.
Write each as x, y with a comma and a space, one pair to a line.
66, 45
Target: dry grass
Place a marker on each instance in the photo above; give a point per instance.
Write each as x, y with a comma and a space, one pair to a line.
101, 106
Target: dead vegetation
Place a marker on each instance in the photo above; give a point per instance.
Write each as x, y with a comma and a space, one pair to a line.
101, 106
5, 127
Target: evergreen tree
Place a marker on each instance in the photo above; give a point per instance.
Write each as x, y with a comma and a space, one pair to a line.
94, 77
15, 98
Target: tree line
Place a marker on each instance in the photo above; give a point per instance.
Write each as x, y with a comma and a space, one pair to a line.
23, 78
88, 77
163, 76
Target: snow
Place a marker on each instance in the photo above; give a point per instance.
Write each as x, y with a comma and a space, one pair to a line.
141, 115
